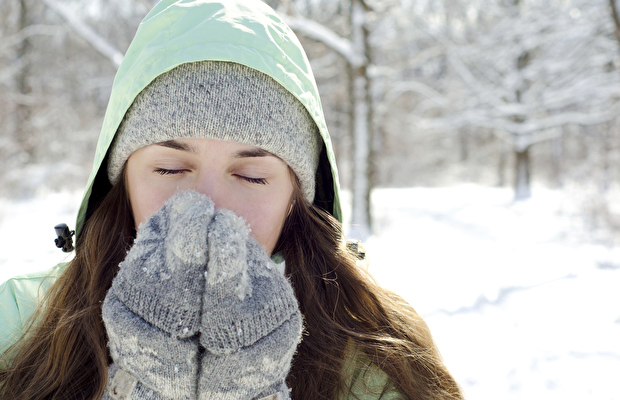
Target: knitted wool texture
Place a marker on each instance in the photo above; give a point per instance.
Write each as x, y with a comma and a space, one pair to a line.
225, 101
198, 310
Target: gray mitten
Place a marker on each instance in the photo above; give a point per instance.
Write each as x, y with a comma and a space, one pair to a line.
152, 311
251, 323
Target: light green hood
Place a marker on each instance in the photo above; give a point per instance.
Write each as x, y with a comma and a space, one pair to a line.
247, 32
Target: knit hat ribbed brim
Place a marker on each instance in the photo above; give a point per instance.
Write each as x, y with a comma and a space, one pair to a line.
225, 101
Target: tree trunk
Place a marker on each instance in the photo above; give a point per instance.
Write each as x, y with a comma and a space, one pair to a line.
501, 163
22, 110
463, 135
616, 18
557, 149
605, 143
522, 178
356, 53
360, 126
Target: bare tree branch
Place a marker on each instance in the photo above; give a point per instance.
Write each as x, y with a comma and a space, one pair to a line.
400, 88
616, 18
86, 32
318, 32
11, 70
531, 126
27, 32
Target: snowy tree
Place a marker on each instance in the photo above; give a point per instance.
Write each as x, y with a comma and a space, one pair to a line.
57, 64
354, 51
425, 92
99, 43
531, 69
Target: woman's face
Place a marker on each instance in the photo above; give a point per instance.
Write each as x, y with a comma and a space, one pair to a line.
247, 180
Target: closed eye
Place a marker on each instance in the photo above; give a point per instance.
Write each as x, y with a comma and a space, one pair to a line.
163, 171
258, 181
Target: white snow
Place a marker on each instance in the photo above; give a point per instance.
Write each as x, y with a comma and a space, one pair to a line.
27, 232
522, 304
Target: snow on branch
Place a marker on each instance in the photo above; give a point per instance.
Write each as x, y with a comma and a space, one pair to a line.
320, 33
86, 32
404, 87
530, 128
466, 75
415, 87
578, 118
27, 32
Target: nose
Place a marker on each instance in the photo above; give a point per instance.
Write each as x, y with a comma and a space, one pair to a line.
213, 186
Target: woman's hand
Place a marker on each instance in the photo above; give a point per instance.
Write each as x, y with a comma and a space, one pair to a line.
152, 311
251, 323
198, 310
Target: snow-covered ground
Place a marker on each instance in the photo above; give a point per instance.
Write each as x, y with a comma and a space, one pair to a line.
521, 304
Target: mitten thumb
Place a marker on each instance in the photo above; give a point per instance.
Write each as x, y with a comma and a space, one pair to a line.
163, 273
245, 297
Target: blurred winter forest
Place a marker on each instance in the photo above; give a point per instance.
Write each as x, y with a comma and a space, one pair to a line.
416, 93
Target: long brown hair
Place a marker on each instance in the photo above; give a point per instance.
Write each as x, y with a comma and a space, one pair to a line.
64, 354
347, 316
349, 319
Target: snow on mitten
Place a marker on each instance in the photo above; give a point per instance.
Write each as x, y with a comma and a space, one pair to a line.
152, 311
251, 323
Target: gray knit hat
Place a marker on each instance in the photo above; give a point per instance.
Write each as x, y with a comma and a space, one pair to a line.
225, 101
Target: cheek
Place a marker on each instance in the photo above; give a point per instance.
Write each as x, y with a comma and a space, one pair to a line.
145, 199
144, 208
266, 220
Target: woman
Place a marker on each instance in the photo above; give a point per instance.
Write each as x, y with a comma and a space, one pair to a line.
213, 160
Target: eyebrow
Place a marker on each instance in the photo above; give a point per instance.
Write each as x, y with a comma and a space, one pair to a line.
173, 144
253, 153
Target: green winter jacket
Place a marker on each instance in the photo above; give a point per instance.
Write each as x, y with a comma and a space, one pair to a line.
181, 31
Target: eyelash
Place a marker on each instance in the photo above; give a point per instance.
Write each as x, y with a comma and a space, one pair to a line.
257, 181
162, 171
